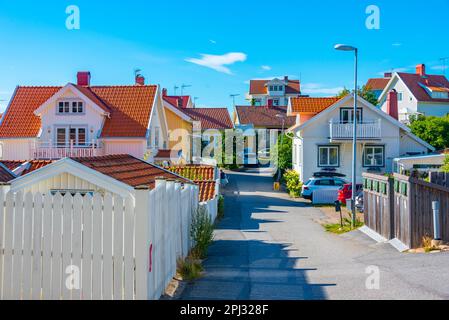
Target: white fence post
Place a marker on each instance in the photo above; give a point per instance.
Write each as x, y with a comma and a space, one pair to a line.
142, 242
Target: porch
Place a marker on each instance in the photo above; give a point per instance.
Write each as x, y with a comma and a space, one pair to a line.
369, 130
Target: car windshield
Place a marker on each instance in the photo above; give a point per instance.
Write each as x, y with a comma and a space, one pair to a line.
308, 182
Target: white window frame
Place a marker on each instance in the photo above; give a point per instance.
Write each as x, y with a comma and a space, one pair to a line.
70, 103
67, 135
372, 153
328, 164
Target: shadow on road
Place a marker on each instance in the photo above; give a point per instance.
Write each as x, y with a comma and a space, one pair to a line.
255, 270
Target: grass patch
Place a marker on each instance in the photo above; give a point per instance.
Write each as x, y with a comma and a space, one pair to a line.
337, 228
189, 268
221, 208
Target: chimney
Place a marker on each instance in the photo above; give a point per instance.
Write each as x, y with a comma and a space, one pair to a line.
388, 75
392, 104
164, 92
286, 79
83, 78
421, 69
140, 80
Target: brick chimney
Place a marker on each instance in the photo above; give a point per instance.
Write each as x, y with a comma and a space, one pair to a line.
392, 104
421, 69
140, 80
83, 78
164, 92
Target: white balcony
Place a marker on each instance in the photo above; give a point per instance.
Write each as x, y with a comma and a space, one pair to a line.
50, 151
369, 130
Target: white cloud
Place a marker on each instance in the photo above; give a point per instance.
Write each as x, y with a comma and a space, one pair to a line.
317, 88
267, 68
213, 41
396, 44
218, 62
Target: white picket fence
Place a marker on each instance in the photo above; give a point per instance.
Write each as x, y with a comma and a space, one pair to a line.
325, 196
100, 247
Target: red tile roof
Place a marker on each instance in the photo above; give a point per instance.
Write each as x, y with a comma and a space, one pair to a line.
35, 164
415, 83
165, 154
173, 100
264, 116
5, 174
19, 120
311, 105
259, 87
11, 164
210, 118
194, 172
129, 107
206, 190
128, 169
377, 83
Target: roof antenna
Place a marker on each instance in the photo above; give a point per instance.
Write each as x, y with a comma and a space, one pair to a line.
175, 89
444, 60
137, 72
183, 86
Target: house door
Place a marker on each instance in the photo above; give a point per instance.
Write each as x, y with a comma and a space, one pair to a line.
71, 134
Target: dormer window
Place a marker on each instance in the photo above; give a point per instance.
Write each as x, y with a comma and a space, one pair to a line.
70, 107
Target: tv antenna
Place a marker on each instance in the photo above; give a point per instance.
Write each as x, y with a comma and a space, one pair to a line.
176, 89
183, 87
233, 98
194, 101
137, 72
444, 60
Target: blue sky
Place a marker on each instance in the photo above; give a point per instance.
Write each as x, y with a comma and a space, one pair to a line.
242, 40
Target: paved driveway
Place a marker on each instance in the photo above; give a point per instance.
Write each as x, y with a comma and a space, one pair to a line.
271, 247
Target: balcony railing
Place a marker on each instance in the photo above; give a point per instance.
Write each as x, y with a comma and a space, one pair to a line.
51, 151
365, 130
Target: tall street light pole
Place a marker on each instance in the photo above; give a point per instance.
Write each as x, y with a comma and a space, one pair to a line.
343, 47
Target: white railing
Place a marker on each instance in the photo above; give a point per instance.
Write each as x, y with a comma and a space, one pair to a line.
48, 150
365, 130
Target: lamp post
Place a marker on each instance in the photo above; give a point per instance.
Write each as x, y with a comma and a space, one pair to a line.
343, 47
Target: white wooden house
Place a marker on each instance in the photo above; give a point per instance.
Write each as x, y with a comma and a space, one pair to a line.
324, 142
79, 120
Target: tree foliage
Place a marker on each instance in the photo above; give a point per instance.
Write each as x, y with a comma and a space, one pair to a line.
284, 152
365, 92
433, 130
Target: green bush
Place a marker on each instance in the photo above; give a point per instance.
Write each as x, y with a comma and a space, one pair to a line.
294, 185
201, 232
189, 268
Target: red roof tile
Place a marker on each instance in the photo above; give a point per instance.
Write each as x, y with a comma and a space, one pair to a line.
264, 116
129, 107
377, 83
206, 190
127, 169
165, 154
19, 120
259, 87
174, 101
34, 165
415, 83
311, 105
194, 172
11, 164
5, 174
210, 118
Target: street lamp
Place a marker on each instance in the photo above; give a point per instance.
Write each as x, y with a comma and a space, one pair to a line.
343, 47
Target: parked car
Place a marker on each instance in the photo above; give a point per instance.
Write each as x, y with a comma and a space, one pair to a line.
359, 201
330, 183
345, 192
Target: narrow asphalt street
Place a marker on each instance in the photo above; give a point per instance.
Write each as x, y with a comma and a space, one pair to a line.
271, 247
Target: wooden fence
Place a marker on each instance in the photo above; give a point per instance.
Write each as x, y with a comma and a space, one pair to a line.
407, 203
440, 178
100, 247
